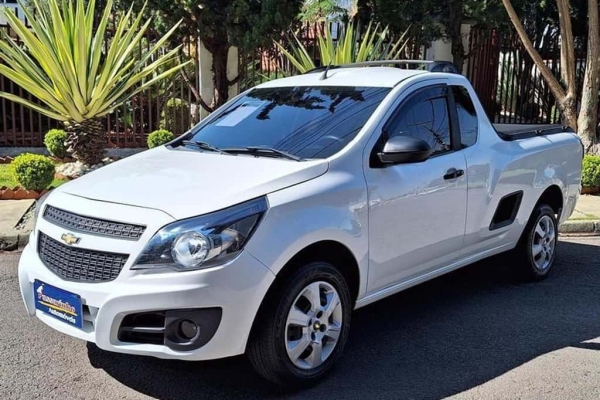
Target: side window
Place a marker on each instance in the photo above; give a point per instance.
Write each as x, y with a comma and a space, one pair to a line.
425, 116
467, 116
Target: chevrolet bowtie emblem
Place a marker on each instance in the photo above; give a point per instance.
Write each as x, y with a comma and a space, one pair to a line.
70, 239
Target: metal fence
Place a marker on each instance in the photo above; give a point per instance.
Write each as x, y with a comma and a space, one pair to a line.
507, 80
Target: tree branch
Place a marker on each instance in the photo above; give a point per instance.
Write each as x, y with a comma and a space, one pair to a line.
555, 87
195, 92
235, 80
205, 106
567, 48
189, 83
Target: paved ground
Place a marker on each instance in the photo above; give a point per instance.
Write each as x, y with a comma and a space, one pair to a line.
11, 215
475, 334
588, 207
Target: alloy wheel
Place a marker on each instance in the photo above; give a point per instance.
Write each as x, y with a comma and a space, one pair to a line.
313, 325
543, 243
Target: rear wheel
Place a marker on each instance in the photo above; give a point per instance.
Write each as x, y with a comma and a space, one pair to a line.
537, 247
303, 329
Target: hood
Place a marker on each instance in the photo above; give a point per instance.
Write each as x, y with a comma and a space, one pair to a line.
186, 183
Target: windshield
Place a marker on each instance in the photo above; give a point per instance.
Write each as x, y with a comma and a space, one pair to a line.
307, 122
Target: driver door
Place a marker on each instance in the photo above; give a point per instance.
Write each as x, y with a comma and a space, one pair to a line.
417, 211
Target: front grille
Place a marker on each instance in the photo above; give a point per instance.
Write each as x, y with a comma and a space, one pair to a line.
79, 264
92, 226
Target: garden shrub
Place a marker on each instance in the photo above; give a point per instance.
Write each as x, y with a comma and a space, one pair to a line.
175, 116
159, 137
33, 171
55, 142
591, 171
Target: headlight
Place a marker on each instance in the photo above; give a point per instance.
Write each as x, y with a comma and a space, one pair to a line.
203, 241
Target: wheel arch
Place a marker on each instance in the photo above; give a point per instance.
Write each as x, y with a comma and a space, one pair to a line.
553, 197
330, 251
333, 252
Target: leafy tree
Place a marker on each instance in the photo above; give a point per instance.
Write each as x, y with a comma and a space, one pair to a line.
77, 77
430, 16
221, 24
321, 10
434, 19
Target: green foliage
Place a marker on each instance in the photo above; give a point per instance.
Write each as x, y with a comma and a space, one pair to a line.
159, 138
219, 24
591, 171
55, 142
33, 171
243, 23
431, 15
322, 10
175, 116
352, 46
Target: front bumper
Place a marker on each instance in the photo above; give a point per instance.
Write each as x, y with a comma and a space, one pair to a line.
237, 288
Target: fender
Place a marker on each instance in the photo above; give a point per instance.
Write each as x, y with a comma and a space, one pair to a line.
312, 216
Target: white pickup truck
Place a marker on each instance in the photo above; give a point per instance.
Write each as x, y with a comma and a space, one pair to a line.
300, 200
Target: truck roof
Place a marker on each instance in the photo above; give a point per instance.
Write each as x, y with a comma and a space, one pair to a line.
357, 76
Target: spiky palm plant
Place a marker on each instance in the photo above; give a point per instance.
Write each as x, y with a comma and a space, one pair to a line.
352, 46
77, 76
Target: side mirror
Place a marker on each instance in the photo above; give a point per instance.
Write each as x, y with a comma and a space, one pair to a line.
404, 149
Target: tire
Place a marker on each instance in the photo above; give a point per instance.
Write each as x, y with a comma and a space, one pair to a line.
304, 329
537, 247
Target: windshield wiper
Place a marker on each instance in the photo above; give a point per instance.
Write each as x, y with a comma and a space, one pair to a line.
204, 146
263, 151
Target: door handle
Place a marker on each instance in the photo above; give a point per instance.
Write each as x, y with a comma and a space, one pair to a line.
453, 173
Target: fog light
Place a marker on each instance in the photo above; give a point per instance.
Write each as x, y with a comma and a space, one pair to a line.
187, 329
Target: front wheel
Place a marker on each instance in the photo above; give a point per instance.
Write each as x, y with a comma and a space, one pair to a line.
537, 247
303, 328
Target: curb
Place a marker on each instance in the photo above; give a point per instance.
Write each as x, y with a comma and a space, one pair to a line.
580, 227
13, 241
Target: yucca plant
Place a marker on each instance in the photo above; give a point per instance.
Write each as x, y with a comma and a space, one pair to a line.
76, 75
352, 46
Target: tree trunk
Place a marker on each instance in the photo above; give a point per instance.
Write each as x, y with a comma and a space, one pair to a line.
588, 115
567, 47
568, 109
219, 49
220, 80
86, 141
453, 25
